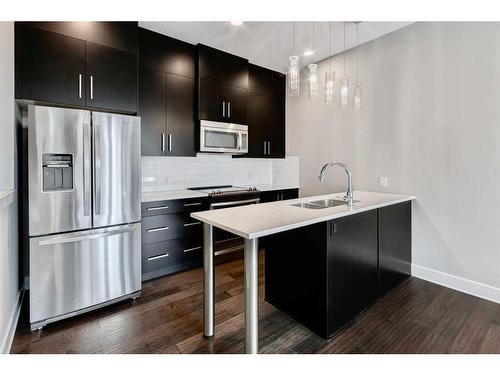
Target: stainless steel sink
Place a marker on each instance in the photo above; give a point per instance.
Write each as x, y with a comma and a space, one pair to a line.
323, 203
331, 202
309, 205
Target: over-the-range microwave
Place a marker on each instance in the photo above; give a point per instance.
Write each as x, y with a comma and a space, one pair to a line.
223, 137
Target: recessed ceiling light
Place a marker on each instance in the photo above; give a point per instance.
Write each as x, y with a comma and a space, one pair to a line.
308, 53
236, 23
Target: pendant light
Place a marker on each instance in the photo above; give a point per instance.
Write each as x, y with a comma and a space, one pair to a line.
329, 75
344, 85
356, 101
294, 71
313, 74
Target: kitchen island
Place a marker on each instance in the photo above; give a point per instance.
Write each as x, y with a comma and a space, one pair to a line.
265, 220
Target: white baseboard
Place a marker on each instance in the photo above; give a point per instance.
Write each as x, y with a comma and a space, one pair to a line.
474, 288
12, 325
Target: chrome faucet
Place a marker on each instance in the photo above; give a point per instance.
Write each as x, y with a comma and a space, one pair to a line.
349, 197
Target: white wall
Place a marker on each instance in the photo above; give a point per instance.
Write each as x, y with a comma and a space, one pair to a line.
431, 123
9, 285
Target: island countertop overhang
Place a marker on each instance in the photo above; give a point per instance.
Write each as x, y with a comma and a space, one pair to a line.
254, 221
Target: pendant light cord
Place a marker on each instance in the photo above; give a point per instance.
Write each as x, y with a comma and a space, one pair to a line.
357, 53
330, 47
344, 51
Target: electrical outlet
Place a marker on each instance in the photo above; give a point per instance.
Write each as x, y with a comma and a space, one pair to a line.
383, 182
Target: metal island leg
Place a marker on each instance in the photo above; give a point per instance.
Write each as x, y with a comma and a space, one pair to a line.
208, 283
251, 296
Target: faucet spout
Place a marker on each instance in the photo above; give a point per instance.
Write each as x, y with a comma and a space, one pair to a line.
349, 196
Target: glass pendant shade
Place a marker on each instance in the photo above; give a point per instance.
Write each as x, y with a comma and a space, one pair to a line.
356, 100
294, 76
313, 81
329, 87
344, 93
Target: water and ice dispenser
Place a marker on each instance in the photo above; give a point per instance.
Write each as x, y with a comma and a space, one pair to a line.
57, 172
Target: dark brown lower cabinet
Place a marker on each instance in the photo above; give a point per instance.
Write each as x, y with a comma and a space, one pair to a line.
171, 238
278, 195
326, 274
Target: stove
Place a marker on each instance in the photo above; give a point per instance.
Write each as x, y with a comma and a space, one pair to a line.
227, 191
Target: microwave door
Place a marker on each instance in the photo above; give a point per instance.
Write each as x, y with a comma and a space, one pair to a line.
219, 140
117, 169
59, 173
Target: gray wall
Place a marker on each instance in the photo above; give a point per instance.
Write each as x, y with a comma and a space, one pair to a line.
430, 122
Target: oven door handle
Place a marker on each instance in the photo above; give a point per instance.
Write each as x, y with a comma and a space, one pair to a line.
234, 203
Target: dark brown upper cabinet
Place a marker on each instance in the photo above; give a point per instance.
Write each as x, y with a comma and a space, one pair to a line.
160, 52
222, 86
51, 67
222, 67
54, 64
111, 78
166, 95
266, 113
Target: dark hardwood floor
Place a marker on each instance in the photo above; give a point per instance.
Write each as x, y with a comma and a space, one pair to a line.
417, 317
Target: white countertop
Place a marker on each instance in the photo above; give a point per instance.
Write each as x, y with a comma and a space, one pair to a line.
170, 194
257, 220
184, 194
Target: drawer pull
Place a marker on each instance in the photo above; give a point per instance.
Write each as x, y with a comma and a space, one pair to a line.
192, 249
191, 224
158, 256
156, 229
157, 208
192, 204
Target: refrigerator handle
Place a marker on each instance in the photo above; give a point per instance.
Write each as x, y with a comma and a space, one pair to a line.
87, 173
97, 168
78, 236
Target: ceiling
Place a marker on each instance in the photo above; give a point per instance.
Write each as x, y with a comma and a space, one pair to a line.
269, 44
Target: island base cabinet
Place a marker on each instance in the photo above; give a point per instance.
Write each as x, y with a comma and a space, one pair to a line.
326, 274
394, 245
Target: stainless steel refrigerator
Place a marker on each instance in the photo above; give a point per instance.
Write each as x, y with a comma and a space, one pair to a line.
84, 171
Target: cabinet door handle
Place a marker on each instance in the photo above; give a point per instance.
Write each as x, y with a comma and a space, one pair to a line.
170, 142
265, 148
192, 249
156, 229
163, 142
223, 109
269, 147
158, 256
157, 208
91, 87
229, 109
79, 86
191, 224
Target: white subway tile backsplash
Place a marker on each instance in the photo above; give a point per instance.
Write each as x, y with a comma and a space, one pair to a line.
174, 173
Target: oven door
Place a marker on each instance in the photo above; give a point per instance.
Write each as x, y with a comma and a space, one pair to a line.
221, 137
226, 242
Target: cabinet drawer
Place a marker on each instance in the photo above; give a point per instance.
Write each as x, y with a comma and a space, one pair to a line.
174, 206
167, 257
168, 227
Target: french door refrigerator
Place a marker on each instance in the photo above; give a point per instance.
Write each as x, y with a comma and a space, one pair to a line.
84, 211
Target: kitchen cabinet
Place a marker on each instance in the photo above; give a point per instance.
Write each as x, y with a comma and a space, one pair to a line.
222, 67
112, 78
152, 101
171, 239
394, 245
50, 67
278, 195
61, 69
165, 54
266, 113
166, 99
326, 274
222, 86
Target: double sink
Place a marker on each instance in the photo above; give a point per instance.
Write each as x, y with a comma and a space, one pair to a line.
323, 203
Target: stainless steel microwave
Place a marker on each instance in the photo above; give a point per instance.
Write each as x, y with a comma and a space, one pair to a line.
223, 137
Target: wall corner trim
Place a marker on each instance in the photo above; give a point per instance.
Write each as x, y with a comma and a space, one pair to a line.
460, 284
7, 340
